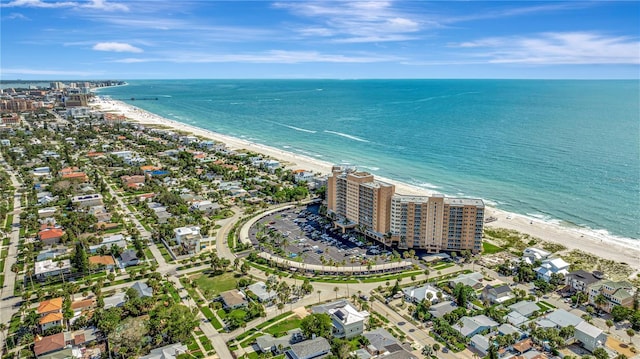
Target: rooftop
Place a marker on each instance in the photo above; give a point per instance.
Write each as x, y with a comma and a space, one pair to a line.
50, 305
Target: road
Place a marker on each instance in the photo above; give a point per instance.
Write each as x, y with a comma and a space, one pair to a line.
8, 302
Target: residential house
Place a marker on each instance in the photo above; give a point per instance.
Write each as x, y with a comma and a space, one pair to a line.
189, 238
259, 289
417, 294
102, 261
48, 212
523, 346
51, 236
531, 254
590, 336
82, 307
41, 172
144, 291
170, 351
233, 299
551, 266
615, 293
205, 206
116, 300
76, 177
559, 319
48, 268
508, 329
133, 181
309, 349
129, 258
269, 344
497, 294
473, 279
439, 310
87, 200
470, 326
52, 344
480, 344
107, 242
348, 322
50, 312
580, 280
381, 342
525, 308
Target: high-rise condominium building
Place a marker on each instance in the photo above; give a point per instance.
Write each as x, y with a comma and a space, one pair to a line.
357, 201
436, 223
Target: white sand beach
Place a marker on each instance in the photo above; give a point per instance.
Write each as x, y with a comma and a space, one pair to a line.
594, 242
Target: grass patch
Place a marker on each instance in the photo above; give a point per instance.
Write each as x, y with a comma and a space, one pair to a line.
544, 305
273, 320
212, 285
443, 266
391, 277
488, 248
281, 328
206, 343
211, 317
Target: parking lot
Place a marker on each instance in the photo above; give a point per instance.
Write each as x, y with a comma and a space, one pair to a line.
304, 236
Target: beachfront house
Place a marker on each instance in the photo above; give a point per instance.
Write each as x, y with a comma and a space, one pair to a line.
616, 293
551, 266
580, 280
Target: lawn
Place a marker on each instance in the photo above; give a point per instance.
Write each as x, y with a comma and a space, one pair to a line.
488, 248
281, 328
212, 285
212, 318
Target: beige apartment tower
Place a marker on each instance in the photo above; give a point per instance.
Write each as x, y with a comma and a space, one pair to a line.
436, 223
355, 200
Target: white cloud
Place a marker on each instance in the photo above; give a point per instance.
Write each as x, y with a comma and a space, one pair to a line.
39, 3
16, 16
273, 56
556, 48
350, 22
93, 4
116, 47
106, 6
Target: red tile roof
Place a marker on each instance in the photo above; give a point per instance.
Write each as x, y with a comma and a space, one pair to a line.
50, 305
49, 344
50, 233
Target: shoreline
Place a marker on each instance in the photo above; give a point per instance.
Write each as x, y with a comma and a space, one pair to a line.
603, 245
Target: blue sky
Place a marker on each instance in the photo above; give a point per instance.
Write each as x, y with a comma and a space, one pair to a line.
99, 39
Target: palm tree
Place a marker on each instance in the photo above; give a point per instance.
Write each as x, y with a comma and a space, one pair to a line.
609, 324
336, 289
630, 333
319, 296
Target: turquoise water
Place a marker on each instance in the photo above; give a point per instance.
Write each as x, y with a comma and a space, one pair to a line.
566, 151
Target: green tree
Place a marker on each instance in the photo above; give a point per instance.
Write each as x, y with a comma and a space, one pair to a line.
600, 353
318, 324
630, 333
80, 260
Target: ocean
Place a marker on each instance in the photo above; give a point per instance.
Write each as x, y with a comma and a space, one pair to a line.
562, 151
